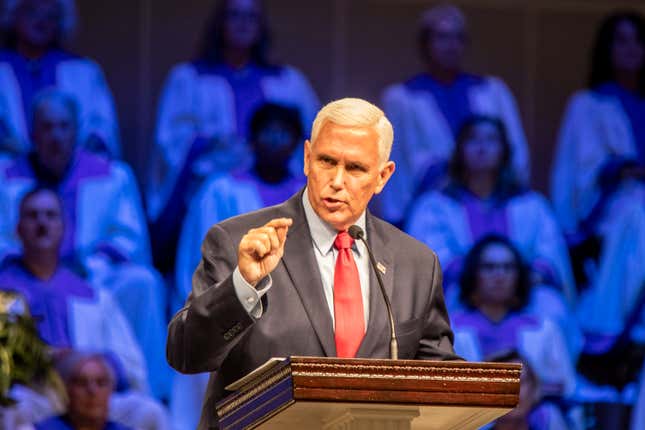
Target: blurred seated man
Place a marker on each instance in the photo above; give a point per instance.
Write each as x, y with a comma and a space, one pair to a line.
71, 314
428, 109
33, 58
105, 229
89, 382
275, 133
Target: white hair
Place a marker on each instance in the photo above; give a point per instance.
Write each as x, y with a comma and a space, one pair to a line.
69, 366
354, 112
66, 26
54, 95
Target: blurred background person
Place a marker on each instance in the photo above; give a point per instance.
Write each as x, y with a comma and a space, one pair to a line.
275, 133
72, 315
611, 313
33, 58
534, 412
483, 196
428, 110
105, 225
89, 382
495, 290
600, 161
205, 110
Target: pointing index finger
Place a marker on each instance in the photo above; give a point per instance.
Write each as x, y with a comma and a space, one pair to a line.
281, 225
280, 222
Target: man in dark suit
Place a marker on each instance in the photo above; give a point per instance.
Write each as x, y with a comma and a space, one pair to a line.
287, 280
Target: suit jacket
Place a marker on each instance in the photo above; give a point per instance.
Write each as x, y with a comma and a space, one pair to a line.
214, 333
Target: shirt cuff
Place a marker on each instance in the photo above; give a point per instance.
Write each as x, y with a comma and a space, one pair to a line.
251, 297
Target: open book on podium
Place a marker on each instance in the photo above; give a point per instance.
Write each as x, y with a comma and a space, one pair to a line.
352, 394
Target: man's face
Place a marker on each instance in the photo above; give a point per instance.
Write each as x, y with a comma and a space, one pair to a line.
54, 136
89, 392
40, 226
242, 23
447, 44
344, 171
628, 52
497, 275
483, 149
37, 22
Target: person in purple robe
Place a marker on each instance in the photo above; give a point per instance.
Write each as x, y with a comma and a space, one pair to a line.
428, 110
205, 111
533, 412
599, 166
71, 314
484, 196
105, 228
34, 58
89, 383
496, 290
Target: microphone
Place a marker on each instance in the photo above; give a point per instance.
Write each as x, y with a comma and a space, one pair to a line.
357, 233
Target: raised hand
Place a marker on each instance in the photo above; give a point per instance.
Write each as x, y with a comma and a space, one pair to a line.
261, 249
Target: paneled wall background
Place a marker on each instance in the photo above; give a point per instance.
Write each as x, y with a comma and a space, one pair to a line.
353, 47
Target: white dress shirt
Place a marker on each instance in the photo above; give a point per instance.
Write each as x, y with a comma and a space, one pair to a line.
323, 236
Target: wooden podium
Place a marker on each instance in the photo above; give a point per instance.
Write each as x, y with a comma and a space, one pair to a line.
352, 394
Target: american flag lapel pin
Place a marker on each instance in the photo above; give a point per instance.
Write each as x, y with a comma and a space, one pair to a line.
380, 267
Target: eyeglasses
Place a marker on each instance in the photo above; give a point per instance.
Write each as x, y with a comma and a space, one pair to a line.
489, 267
100, 382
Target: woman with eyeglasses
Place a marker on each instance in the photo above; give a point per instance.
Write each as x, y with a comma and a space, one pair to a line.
496, 320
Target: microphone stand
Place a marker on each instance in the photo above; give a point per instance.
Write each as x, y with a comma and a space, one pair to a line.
357, 233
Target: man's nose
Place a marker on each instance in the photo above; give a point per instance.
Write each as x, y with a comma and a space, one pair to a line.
339, 177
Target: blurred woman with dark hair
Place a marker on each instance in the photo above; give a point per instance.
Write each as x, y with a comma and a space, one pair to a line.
601, 148
206, 105
496, 319
484, 197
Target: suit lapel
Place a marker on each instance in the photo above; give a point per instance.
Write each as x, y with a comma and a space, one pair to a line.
378, 330
302, 267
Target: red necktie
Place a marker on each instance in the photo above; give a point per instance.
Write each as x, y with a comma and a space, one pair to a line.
348, 300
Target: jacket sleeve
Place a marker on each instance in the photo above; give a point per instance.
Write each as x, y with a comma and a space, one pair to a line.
213, 321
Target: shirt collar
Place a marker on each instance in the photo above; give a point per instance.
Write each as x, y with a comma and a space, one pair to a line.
322, 233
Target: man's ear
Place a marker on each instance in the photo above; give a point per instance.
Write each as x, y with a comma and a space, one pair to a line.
307, 157
384, 175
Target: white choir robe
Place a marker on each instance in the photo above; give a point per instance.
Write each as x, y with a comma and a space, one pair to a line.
83, 79
97, 325
543, 347
595, 128
423, 138
109, 219
203, 105
442, 223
